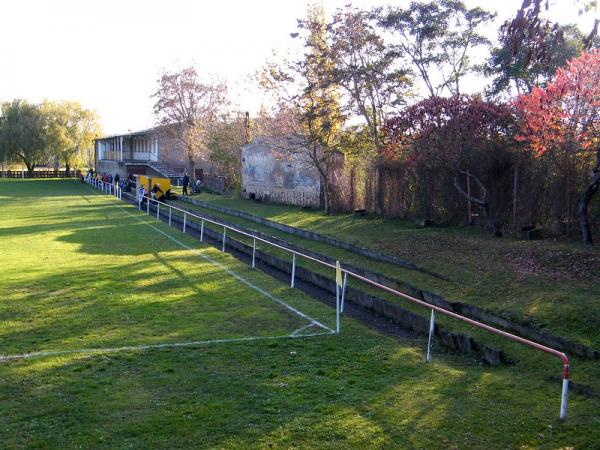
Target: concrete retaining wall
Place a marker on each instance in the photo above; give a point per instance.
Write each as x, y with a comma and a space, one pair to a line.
465, 309
400, 316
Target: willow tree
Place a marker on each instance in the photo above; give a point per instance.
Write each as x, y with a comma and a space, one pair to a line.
70, 129
22, 134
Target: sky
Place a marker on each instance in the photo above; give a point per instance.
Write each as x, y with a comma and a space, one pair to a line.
109, 54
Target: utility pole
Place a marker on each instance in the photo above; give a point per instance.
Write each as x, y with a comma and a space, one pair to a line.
247, 127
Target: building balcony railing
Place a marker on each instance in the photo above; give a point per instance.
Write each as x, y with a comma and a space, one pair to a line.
115, 155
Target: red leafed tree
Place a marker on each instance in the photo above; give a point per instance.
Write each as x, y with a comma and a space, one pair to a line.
455, 134
565, 117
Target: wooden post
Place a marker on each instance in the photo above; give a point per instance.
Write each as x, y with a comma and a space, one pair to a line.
470, 222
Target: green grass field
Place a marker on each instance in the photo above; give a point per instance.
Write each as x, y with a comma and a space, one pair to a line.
81, 270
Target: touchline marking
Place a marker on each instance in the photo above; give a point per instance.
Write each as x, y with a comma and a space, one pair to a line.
299, 330
230, 272
128, 348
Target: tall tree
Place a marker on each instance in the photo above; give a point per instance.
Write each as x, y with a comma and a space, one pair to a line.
565, 117
22, 134
370, 76
70, 130
531, 48
438, 37
308, 105
188, 110
225, 147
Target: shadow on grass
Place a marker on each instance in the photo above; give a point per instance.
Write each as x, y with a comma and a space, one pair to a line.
15, 189
334, 392
138, 304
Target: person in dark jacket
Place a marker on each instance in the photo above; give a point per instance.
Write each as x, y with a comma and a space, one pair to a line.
157, 193
186, 181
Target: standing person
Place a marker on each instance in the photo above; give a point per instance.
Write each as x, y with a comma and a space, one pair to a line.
117, 178
186, 181
141, 196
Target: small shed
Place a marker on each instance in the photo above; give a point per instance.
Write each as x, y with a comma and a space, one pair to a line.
275, 169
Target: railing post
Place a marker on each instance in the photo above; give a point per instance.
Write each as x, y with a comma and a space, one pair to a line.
254, 253
148, 205
431, 329
293, 270
170, 214
565, 391
202, 230
343, 291
224, 235
184, 220
337, 298
157, 210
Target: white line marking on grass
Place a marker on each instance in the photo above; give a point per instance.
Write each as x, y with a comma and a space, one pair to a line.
129, 348
232, 273
299, 330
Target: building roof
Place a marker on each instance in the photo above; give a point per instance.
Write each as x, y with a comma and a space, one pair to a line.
130, 134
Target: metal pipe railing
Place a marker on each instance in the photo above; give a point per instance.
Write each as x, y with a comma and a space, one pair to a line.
563, 357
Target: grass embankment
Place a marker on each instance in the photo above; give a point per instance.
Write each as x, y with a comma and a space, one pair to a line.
553, 285
78, 270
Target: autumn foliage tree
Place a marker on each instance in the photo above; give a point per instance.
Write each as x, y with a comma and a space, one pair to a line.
458, 136
565, 117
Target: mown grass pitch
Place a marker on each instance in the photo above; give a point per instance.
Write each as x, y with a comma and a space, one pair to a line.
81, 270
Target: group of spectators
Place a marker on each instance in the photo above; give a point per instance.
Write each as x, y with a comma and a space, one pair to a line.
156, 193
128, 183
109, 179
